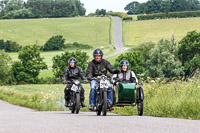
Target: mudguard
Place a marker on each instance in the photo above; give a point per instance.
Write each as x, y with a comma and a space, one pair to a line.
141, 92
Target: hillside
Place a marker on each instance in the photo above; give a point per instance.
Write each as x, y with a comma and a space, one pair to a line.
136, 32
88, 30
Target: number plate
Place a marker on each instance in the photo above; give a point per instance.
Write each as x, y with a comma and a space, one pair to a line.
103, 84
74, 88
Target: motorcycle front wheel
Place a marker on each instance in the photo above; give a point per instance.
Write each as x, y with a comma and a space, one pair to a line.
105, 104
77, 107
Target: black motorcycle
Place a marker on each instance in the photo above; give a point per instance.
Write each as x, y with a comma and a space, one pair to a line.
74, 101
101, 95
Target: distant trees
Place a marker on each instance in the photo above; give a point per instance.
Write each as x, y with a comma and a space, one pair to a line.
38, 8
9, 46
100, 12
54, 43
161, 6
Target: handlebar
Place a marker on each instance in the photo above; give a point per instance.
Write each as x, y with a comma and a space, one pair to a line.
68, 82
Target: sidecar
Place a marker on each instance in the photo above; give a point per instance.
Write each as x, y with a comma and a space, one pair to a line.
127, 94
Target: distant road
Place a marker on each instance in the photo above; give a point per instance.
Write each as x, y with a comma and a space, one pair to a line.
22, 120
117, 37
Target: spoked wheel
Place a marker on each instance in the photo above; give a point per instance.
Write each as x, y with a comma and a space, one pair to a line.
140, 108
73, 104
105, 104
77, 105
98, 108
140, 98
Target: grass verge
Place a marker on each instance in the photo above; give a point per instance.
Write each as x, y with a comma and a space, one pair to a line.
176, 99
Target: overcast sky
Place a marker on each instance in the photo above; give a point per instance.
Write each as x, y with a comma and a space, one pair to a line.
109, 5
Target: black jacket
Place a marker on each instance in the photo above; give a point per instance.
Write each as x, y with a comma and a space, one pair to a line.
73, 73
99, 68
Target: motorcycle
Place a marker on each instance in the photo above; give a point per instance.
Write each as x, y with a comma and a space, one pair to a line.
101, 95
74, 101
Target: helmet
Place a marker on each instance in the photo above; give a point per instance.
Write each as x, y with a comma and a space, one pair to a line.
124, 63
72, 60
98, 52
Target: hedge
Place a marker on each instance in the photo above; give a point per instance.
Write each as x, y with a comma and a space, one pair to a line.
184, 14
122, 15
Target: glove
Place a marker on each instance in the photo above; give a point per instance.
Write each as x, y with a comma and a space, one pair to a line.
64, 82
89, 79
85, 81
116, 71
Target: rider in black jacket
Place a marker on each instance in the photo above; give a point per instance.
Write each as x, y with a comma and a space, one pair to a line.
98, 67
73, 72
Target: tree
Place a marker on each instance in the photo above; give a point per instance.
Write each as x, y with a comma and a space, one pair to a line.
10, 46
28, 68
13, 5
145, 49
101, 12
162, 62
80, 8
60, 62
5, 68
189, 53
135, 60
130, 8
162, 6
54, 43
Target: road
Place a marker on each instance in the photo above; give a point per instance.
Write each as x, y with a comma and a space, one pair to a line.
22, 120
117, 37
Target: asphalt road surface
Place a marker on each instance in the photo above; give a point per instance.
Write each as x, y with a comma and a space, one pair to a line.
118, 37
14, 119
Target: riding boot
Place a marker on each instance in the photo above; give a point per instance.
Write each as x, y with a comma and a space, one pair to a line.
82, 102
66, 102
82, 98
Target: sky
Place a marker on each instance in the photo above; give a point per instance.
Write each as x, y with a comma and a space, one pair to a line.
109, 5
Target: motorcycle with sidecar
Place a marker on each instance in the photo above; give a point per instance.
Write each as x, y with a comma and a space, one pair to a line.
125, 94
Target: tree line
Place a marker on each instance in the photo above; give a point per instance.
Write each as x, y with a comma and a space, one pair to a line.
162, 6
10, 9
54, 43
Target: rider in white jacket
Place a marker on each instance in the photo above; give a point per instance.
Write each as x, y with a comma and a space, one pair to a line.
125, 75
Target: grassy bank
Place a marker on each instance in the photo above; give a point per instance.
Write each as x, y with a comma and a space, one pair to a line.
136, 32
176, 99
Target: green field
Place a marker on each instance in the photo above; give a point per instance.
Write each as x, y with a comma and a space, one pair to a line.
88, 30
136, 32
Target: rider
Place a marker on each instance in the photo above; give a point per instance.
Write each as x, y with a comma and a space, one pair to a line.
70, 73
125, 75
97, 67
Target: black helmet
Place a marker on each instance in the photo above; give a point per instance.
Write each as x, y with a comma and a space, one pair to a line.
124, 63
72, 60
98, 52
